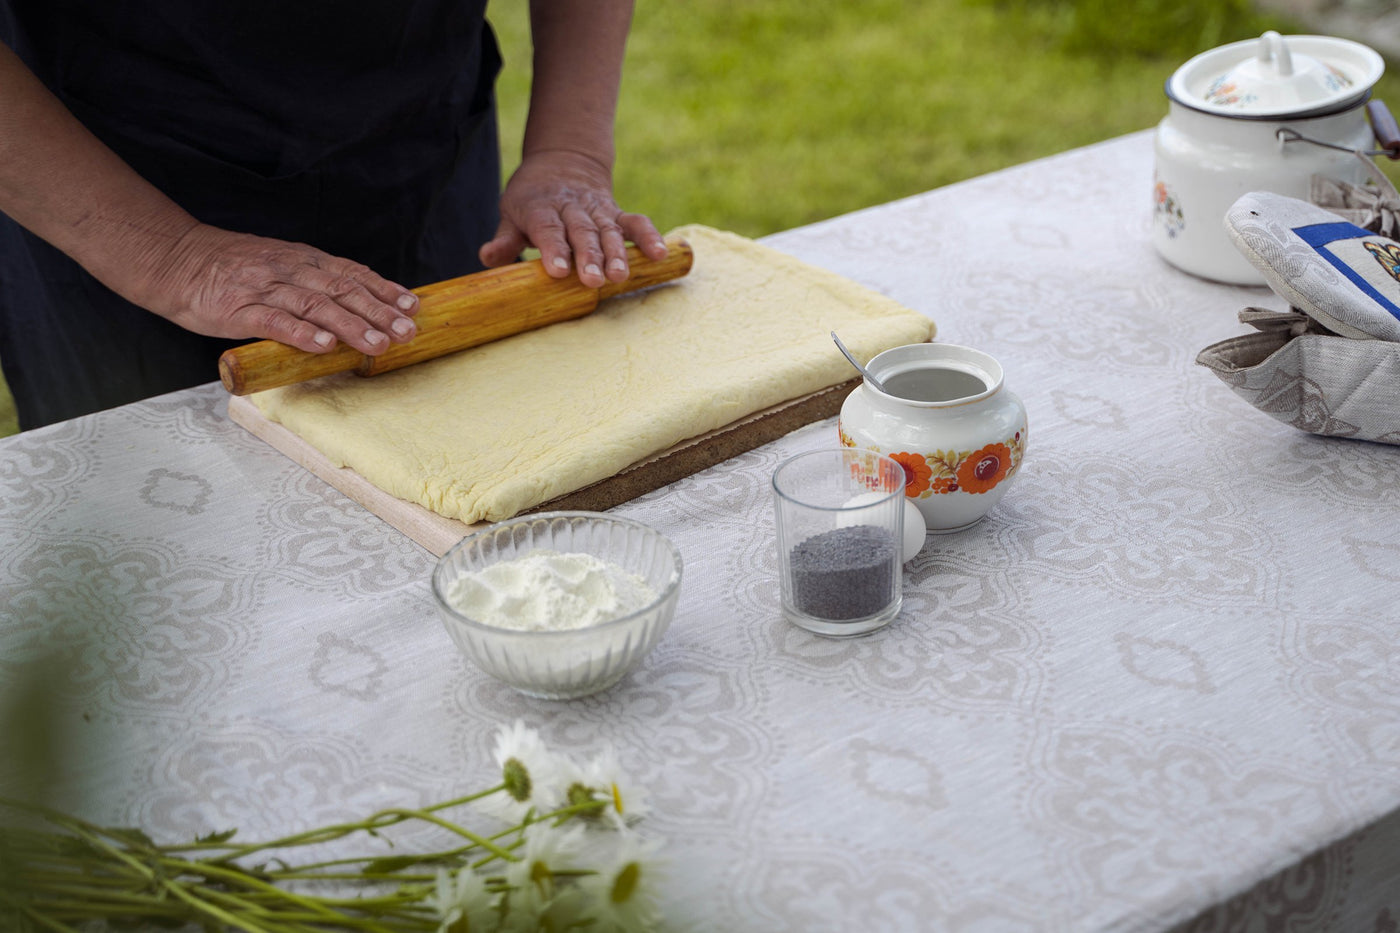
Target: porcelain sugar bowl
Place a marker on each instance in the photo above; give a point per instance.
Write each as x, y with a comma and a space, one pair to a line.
943, 413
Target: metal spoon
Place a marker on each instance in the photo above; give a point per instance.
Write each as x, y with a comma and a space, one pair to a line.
875, 383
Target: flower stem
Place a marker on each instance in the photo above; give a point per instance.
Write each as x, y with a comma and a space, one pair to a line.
375, 821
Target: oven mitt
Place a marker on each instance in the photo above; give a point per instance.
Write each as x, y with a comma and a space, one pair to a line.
1331, 365
1374, 205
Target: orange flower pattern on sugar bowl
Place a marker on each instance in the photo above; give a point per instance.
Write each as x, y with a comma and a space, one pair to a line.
944, 471
917, 472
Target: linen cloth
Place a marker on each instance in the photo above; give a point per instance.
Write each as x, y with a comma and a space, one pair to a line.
1157, 688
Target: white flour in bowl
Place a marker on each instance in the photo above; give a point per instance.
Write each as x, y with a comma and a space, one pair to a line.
549, 591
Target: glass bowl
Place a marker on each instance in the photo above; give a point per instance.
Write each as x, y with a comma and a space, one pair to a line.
562, 664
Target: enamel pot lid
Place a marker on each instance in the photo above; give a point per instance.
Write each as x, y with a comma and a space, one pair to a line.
1278, 77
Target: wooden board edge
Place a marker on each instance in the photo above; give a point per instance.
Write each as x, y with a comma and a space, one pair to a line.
437, 533
704, 451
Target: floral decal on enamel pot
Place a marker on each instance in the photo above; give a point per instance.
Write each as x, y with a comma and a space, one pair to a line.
1166, 209
946, 417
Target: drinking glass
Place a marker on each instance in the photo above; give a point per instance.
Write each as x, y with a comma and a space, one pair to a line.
840, 525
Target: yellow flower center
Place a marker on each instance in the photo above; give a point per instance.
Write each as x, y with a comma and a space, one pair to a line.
542, 877
626, 883
580, 794
517, 779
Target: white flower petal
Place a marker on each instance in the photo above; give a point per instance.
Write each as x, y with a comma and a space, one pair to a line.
460, 894
623, 896
626, 799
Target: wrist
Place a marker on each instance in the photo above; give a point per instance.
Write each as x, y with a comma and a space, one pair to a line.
567, 159
144, 258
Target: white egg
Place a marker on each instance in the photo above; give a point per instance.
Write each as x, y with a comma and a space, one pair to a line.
915, 528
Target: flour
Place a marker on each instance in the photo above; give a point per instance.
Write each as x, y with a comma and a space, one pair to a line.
549, 591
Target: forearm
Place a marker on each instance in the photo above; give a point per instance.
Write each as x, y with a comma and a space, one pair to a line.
560, 200
60, 182
579, 46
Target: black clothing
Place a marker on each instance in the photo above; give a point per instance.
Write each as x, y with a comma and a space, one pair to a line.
366, 129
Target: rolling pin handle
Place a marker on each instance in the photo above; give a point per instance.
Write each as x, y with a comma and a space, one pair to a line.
267, 364
231, 374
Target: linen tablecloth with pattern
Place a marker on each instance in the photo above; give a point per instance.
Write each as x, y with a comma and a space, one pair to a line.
1158, 686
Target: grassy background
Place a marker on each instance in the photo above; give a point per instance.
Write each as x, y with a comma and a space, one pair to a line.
9, 421
761, 115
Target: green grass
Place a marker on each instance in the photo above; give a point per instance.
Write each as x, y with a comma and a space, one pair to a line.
9, 419
761, 115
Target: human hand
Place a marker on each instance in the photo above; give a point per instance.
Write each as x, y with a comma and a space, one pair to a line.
225, 284
561, 202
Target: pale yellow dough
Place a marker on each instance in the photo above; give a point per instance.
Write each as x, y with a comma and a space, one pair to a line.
492, 431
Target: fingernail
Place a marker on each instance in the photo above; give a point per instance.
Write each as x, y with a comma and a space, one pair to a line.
323, 338
592, 269
406, 302
403, 327
559, 262
374, 337
617, 265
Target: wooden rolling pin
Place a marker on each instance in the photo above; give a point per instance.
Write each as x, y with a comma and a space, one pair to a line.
454, 315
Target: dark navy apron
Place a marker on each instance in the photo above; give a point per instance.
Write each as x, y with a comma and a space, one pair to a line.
364, 127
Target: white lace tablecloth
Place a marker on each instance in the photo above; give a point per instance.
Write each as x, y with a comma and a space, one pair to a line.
1158, 686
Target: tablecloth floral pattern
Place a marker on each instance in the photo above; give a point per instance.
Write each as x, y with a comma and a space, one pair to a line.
1157, 688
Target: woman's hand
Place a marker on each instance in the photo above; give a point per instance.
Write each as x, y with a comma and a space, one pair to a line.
561, 203
237, 285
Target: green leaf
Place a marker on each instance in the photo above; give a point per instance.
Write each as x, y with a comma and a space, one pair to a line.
262, 869
391, 863
224, 836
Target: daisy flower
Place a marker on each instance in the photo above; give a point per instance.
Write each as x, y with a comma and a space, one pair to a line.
530, 771
462, 901
548, 851
622, 897
625, 799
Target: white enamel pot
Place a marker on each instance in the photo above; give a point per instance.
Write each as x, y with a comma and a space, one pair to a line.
1260, 115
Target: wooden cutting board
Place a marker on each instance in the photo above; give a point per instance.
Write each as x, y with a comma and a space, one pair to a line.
437, 533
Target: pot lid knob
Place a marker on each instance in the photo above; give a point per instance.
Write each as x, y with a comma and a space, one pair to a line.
1273, 49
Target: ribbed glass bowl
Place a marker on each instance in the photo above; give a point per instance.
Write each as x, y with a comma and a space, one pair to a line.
558, 665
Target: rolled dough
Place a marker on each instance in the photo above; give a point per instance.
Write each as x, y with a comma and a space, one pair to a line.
489, 432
